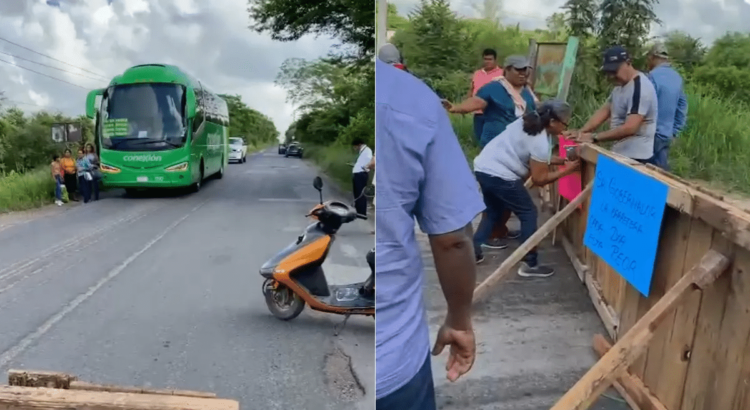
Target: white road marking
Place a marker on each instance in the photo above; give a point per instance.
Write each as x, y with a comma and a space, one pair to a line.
27, 341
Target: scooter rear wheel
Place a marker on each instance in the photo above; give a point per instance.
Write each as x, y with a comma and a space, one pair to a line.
283, 303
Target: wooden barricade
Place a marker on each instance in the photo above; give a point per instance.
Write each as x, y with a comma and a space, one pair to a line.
28, 390
686, 346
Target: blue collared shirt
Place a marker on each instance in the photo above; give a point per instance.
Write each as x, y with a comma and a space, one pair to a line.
423, 175
671, 99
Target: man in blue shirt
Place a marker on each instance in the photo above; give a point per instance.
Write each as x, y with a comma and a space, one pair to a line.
671, 100
423, 175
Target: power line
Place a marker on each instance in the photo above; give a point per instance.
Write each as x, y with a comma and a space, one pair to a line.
49, 66
46, 75
53, 58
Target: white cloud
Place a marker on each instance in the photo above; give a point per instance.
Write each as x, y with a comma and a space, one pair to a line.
212, 42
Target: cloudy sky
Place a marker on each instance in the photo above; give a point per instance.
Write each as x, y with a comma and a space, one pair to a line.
706, 19
103, 37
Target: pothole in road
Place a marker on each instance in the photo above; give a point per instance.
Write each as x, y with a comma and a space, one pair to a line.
340, 378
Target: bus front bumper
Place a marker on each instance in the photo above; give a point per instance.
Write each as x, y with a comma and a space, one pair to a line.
147, 179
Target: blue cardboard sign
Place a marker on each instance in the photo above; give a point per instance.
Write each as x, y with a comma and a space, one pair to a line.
624, 222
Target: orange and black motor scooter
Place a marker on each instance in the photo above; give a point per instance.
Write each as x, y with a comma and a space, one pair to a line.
295, 276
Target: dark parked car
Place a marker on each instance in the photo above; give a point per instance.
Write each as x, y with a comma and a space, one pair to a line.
293, 150
282, 149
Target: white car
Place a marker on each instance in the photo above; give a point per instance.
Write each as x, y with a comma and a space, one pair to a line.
237, 150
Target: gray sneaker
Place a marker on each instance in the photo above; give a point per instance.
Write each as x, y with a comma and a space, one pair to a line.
495, 244
538, 271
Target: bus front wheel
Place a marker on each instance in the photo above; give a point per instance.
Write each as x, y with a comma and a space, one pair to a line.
220, 174
197, 186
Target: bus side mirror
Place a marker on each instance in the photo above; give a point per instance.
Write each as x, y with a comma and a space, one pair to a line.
91, 102
190, 103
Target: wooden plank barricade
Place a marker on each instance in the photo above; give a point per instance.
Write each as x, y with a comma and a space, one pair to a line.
682, 337
28, 390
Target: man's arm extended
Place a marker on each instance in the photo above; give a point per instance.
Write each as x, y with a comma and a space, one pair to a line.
456, 270
627, 129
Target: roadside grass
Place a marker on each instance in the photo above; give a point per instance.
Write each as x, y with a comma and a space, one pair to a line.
714, 147
29, 190
332, 160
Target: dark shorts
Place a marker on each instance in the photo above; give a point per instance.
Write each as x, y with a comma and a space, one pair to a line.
417, 394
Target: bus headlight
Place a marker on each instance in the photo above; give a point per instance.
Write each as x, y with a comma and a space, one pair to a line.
178, 168
109, 169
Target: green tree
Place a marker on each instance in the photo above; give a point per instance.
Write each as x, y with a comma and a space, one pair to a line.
684, 50
626, 23
581, 17
351, 21
249, 124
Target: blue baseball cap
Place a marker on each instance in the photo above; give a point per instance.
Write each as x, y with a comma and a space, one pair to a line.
614, 57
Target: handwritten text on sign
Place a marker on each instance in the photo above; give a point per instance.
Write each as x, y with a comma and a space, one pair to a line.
624, 220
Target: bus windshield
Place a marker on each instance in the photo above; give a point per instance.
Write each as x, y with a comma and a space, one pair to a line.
143, 117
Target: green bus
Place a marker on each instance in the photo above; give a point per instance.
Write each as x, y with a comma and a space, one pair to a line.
158, 127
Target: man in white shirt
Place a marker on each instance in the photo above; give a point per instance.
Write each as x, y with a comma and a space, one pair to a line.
360, 175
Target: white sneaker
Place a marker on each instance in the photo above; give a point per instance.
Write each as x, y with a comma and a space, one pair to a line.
58, 203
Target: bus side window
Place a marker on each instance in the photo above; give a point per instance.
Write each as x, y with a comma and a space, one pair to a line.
198, 120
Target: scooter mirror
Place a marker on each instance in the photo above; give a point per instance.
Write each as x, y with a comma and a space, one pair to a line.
318, 183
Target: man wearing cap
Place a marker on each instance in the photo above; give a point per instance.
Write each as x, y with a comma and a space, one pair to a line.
389, 54
671, 100
502, 101
631, 108
489, 71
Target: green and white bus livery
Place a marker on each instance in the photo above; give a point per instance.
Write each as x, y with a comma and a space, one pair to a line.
158, 127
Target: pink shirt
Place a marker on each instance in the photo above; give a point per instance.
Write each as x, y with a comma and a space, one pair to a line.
481, 78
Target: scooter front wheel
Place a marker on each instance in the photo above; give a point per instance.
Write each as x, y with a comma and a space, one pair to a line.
283, 302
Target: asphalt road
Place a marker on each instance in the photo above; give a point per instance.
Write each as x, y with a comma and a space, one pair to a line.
164, 292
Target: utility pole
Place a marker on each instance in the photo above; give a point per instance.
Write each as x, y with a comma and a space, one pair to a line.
381, 24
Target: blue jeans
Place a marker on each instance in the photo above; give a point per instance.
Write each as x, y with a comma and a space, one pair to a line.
478, 126
500, 195
58, 187
84, 187
417, 394
661, 152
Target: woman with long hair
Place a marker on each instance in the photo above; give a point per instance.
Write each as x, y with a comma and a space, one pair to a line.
95, 172
523, 149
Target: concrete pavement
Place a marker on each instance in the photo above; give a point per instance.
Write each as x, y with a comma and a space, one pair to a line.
164, 292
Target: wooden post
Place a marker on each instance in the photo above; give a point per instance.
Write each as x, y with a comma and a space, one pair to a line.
635, 341
501, 272
79, 385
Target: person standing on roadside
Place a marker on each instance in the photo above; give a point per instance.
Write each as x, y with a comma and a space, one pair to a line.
502, 100
360, 175
423, 175
489, 71
70, 175
83, 168
95, 172
57, 176
631, 106
671, 100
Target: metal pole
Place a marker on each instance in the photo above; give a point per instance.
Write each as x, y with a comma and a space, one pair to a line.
382, 24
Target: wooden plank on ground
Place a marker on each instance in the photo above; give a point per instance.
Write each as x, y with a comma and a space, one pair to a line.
79, 385
702, 367
676, 352
504, 269
634, 387
634, 343
40, 378
31, 398
605, 311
